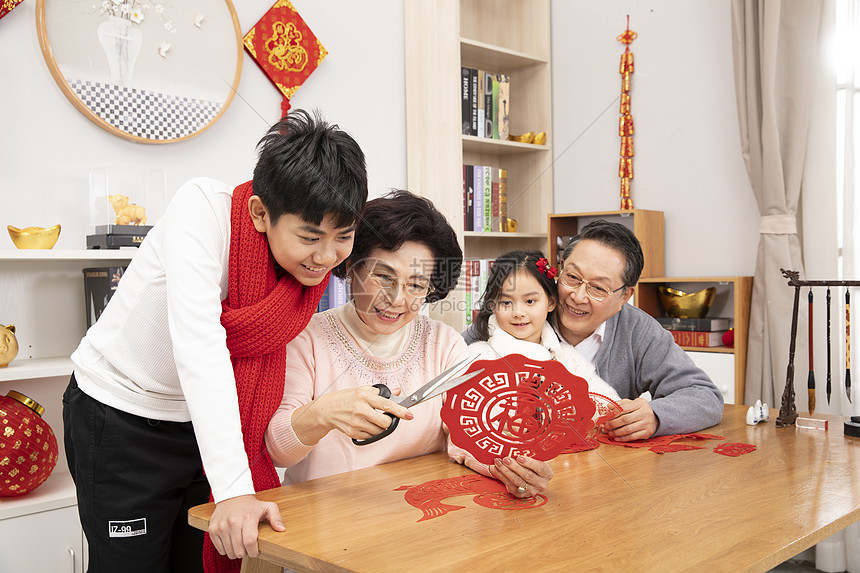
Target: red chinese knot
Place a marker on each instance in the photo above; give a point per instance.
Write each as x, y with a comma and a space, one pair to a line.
521, 406
28, 448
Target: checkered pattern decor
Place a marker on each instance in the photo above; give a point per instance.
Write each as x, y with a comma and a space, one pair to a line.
146, 114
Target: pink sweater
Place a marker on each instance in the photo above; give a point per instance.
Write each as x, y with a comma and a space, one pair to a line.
325, 358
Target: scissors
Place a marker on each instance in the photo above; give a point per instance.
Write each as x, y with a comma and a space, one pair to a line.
438, 385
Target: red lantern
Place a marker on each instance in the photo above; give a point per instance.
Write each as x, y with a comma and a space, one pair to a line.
28, 448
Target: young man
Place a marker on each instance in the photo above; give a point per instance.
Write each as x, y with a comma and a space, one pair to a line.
185, 367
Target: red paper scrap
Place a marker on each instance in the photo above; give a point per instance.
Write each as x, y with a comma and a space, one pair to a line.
734, 449
488, 493
662, 444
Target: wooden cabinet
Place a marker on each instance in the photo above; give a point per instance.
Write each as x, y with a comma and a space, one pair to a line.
42, 294
502, 36
646, 225
732, 300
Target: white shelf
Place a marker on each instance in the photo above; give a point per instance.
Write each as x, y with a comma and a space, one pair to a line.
58, 491
44, 255
475, 144
36, 368
487, 56
504, 235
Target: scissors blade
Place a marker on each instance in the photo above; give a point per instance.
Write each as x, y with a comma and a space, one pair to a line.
437, 385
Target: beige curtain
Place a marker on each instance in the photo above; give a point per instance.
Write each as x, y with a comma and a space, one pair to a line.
775, 43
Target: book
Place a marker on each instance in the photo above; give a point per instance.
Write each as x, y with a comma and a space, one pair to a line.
467, 289
469, 190
503, 199
481, 119
123, 229
473, 101
495, 220
99, 285
504, 106
488, 199
704, 339
466, 99
495, 80
478, 199
488, 104
476, 289
707, 324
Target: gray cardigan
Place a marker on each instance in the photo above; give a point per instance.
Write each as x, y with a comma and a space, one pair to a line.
637, 354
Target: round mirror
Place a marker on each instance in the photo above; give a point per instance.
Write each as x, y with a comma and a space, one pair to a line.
151, 71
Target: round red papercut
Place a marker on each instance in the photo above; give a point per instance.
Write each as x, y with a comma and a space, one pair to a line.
522, 406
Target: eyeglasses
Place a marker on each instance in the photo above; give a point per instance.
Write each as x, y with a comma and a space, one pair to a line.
413, 288
593, 291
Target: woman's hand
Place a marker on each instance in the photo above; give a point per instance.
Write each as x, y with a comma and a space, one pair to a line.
523, 476
357, 412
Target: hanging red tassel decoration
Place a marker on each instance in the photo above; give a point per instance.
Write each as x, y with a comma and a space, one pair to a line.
284, 47
625, 122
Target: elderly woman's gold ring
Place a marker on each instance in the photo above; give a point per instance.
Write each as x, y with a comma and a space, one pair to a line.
522, 489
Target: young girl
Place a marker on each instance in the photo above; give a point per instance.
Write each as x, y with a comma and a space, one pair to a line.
520, 294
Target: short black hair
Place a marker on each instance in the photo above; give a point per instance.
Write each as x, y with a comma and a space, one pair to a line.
504, 266
401, 216
312, 169
615, 236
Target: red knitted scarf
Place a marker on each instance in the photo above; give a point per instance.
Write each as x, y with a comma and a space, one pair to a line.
261, 314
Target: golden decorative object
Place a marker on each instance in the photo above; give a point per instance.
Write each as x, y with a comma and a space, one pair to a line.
512, 225
127, 213
8, 345
530, 137
524, 138
34, 237
680, 304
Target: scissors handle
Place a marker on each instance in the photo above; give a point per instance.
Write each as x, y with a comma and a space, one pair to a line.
385, 393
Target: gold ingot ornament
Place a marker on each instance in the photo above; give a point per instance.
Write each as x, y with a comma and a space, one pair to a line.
34, 237
680, 304
8, 345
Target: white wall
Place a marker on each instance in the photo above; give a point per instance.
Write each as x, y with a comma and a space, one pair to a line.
47, 147
688, 162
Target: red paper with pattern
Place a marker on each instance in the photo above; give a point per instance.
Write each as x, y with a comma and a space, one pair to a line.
734, 449
522, 406
7, 6
663, 444
284, 47
488, 493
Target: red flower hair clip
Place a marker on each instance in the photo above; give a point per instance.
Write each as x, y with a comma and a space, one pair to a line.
544, 268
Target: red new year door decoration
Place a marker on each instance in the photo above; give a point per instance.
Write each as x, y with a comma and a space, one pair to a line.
522, 406
284, 47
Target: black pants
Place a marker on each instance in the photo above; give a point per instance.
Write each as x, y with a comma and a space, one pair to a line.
136, 478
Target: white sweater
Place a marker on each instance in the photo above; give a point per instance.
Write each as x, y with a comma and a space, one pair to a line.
159, 351
501, 344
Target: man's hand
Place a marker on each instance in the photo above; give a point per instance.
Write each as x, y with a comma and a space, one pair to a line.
234, 524
636, 421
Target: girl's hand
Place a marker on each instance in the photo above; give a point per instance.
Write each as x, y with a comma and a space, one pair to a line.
523, 476
357, 412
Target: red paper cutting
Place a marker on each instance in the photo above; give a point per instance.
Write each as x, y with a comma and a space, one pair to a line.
284, 47
662, 444
734, 449
521, 406
7, 6
488, 492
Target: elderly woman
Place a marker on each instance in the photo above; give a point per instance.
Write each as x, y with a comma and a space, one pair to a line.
405, 254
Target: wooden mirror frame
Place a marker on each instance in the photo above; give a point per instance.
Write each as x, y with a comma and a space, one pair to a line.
103, 123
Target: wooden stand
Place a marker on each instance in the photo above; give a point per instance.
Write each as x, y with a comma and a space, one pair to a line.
787, 410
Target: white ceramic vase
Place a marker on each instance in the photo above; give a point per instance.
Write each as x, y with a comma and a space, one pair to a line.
121, 41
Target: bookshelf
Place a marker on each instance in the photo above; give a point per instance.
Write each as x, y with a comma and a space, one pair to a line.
732, 300
646, 225
503, 36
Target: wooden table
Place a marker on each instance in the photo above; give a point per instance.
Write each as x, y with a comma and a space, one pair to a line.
613, 509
